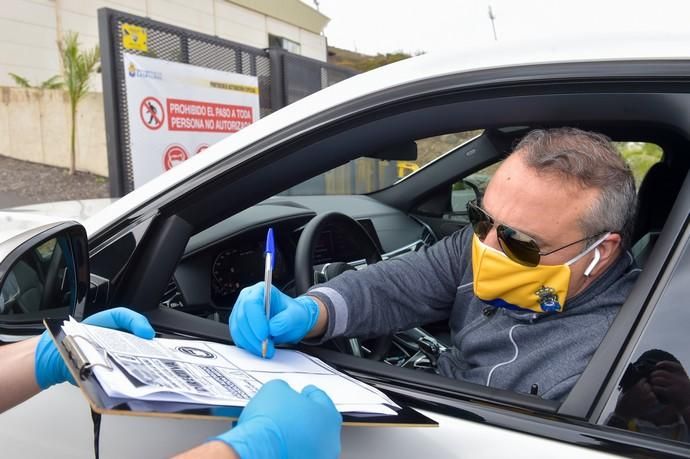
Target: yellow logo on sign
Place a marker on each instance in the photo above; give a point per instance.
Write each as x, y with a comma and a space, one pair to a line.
134, 37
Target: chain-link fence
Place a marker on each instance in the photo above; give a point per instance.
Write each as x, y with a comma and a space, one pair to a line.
283, 77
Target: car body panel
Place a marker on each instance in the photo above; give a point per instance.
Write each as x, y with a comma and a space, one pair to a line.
77, 209
13, 224
132, 436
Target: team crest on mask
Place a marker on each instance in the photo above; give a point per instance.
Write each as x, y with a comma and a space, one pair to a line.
548, 299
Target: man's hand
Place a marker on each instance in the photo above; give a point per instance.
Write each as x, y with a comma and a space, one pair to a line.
291, 319
637, 401
281, 423
49, 367
671, 384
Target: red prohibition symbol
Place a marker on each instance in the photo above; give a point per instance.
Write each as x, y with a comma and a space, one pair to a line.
152, 113
174, 155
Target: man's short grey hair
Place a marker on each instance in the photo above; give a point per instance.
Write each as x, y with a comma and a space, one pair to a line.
592, 160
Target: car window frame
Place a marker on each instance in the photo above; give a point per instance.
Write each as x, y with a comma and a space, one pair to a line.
611, 358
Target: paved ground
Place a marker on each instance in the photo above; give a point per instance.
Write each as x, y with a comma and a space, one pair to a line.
22, 182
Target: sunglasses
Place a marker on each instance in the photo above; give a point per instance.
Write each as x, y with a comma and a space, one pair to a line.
517, 245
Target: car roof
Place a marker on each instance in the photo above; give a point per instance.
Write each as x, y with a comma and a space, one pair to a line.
428, 66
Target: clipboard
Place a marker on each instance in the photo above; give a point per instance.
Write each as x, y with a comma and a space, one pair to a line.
101, 403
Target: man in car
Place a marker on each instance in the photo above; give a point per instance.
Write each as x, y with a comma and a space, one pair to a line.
530, 287
277, 422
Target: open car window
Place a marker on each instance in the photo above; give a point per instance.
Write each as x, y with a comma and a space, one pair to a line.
235, 261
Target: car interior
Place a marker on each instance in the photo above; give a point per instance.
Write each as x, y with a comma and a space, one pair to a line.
183, 257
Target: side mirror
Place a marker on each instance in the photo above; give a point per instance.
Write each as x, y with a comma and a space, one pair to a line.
43, 273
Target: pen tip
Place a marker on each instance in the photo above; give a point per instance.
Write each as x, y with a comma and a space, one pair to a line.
270, 245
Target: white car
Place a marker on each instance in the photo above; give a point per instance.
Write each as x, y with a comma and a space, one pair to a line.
181, 247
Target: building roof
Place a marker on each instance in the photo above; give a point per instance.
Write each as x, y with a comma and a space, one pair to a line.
293, 12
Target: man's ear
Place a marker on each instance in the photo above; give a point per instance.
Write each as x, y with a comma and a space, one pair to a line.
608, 251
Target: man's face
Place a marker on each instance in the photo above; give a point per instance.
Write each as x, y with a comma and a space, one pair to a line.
545, 207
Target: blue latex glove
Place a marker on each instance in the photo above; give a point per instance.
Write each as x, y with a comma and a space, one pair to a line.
281, 423
291, 319
48, 364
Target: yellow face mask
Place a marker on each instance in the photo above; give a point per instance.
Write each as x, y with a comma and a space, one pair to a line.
502, 282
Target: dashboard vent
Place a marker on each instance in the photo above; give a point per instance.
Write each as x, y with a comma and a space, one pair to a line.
172, 298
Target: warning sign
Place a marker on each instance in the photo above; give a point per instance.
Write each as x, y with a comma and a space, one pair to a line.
174, 155
134, 37
192, 115
152, 114
175, 111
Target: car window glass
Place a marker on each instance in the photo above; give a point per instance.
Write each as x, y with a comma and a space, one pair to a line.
653, 394
365, 175
41, 279
471, 187
640, 156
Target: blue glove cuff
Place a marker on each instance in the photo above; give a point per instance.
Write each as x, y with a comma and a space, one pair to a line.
257, 438
312, 309
48, 365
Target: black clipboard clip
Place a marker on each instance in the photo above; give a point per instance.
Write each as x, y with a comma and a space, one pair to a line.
81, 362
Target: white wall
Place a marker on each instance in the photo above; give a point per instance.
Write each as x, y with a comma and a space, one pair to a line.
35, 126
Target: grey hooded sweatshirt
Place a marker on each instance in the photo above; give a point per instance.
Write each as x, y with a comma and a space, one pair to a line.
490, 346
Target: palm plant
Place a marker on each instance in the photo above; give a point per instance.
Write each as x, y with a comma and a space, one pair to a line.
20, 80
53, 82
77, 67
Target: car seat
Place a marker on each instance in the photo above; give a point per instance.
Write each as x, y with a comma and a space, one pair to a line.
655, 198
30, 287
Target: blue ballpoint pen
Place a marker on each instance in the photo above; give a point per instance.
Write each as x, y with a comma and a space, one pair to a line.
268, 277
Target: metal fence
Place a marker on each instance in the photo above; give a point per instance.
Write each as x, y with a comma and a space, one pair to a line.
283, 77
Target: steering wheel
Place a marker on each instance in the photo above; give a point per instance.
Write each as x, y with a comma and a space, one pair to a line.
356, 236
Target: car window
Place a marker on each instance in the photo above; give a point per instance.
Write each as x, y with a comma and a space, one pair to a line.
471, 187
640, 156
366, 175
653, 394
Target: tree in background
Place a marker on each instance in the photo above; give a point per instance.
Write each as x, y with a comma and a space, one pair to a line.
378, 61
640, 156
77, 67
363, 62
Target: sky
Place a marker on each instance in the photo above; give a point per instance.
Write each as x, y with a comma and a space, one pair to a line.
413, 26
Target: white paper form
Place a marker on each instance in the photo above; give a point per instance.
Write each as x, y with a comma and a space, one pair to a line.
174, 370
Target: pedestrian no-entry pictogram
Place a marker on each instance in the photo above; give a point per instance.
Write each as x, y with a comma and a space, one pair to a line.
174, 155
152, 113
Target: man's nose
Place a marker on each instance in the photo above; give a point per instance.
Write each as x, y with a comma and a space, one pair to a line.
491, 239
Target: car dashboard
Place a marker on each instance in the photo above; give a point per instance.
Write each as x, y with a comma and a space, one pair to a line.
229, 256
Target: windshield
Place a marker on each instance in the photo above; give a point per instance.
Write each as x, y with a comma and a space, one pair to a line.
365, 175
